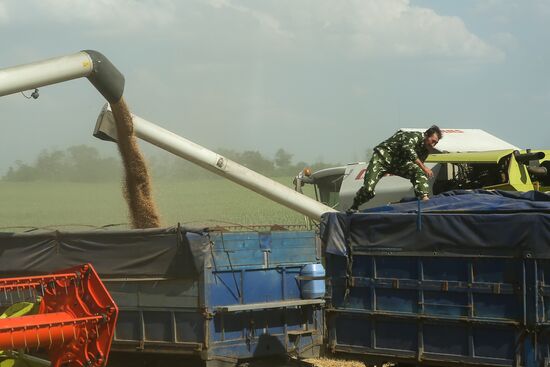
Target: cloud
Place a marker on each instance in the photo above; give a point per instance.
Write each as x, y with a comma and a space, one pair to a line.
505, 40
506, 12
354, 28
370, 28
3, 14
397, 28
543, 8
120, 16
266, 21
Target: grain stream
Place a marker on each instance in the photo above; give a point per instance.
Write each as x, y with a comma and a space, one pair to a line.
137, 183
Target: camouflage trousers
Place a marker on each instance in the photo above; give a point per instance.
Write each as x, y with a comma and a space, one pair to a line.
378, 167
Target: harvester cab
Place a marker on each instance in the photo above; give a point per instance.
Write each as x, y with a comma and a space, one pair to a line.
465, 159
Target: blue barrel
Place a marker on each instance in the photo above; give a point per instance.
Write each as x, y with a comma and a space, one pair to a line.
312, 281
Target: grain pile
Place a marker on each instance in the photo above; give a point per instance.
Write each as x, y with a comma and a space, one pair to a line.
332, 362
137, 184
337, 362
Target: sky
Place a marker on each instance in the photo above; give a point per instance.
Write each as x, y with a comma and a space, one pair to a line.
322, 79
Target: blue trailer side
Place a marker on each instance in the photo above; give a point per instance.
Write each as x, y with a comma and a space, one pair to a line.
462, 310
452, 291
246, 303
253, 294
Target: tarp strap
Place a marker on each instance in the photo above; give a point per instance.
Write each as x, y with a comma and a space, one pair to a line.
231, 268
349, 257
419, 217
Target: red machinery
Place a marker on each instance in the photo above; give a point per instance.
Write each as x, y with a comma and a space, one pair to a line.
75, 322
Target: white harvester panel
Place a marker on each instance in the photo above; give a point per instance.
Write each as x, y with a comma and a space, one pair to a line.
468, 140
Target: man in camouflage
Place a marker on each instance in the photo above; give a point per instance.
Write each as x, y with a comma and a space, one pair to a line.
403, 155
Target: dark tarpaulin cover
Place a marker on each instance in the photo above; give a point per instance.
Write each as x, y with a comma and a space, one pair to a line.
172, 252
457, 222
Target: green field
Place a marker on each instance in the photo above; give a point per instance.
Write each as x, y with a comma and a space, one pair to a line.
189, 202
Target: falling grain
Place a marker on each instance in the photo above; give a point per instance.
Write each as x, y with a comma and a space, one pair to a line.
137, 185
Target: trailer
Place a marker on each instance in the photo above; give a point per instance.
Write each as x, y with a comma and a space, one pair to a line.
220, 296
460, 280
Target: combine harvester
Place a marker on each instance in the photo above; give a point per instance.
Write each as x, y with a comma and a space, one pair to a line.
458, 280
67, 316
467, 159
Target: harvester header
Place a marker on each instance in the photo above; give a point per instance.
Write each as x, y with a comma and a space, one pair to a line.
74, 323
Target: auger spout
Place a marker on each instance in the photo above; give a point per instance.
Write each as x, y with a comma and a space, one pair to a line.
90, 64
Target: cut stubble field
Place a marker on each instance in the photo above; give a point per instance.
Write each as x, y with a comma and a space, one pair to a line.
70, 205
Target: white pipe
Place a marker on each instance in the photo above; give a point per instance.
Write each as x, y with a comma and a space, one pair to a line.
89, 63
46, 72
164, 139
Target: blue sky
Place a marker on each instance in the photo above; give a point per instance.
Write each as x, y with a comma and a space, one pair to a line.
322, 79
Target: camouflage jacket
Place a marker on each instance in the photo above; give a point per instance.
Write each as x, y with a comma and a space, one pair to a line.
403, 147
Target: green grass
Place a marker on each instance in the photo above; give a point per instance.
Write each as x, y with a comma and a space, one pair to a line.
190, 202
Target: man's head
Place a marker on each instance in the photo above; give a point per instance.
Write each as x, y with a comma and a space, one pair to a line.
432, 136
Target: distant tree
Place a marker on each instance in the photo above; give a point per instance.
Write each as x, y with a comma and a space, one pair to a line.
85, 164
283, 158
301, 165
178, 168
77, 163
255, 161
83, 154
252, 159
229, 154
22, 172
50, 164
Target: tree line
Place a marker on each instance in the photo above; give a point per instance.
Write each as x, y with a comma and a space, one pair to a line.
82, 163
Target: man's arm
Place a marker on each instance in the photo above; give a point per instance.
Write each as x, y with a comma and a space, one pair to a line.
426, 170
